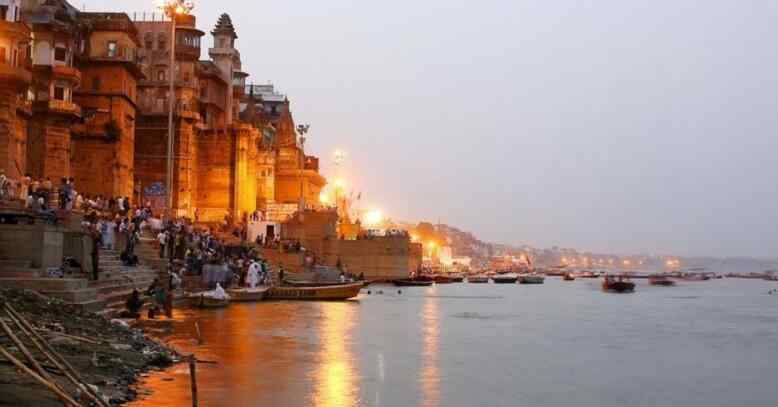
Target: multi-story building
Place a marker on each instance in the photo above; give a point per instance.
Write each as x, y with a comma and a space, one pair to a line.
15, 78
55, 78
103, 147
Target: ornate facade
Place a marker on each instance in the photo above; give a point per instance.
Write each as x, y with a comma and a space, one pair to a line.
86, 95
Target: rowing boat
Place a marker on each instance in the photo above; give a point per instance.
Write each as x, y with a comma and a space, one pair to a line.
203, 301
323, 293
247, 294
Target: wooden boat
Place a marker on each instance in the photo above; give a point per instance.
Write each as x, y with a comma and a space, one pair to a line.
568, 277
620, 284
247, 294
302, 283
531, 279
505, 278
456, 278
661, 281
411, 283
480, 279
323, 293
201, 300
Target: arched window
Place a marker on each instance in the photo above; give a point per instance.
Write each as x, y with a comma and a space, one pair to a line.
161, 41
148, 41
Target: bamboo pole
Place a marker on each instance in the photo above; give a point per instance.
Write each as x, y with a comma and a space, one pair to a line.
49, 356
37, 378
199, 336
193, 379
56, 357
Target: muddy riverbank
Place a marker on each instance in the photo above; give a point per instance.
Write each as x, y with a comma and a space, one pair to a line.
107, 353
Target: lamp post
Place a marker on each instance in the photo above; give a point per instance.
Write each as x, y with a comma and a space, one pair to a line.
172, 9
302, 130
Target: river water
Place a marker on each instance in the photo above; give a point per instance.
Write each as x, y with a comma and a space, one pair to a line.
708, 344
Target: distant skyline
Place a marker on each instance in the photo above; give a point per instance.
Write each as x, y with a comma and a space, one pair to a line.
618, 127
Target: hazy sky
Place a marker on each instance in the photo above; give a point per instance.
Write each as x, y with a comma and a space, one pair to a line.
610, 125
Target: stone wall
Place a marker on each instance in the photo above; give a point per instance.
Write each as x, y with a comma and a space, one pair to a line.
383, 258
13, 136
40, 244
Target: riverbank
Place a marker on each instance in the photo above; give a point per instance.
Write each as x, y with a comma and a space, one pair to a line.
106, 353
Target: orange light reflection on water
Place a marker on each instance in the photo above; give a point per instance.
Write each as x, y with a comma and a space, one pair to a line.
430, 372
337, 383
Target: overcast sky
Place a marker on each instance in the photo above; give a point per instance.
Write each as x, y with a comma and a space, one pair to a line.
610, 125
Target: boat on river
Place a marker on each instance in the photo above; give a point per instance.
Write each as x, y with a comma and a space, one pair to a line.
661, 281
479, 279
322, 293
531, 279
568, 277
509, 278
411, 283
618, 284
247, 294
203, 300
305, 283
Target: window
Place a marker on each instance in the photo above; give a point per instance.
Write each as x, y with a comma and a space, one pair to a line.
2, 55
96, 83
148, 40
161, 75
59, 93
60, 54
112, 47
161, 42
3, 12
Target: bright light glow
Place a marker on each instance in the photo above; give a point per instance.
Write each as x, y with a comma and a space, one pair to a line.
431, 245
373, 218
340, 183
414, 238
324, 199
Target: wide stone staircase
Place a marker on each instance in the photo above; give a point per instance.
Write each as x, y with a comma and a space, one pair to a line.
116, 281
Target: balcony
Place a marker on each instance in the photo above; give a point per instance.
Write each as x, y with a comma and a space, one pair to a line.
67, 73
65, 107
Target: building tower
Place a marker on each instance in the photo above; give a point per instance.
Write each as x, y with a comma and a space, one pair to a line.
15, 78
226, 58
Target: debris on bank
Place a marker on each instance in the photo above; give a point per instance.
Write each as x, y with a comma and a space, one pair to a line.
108, 355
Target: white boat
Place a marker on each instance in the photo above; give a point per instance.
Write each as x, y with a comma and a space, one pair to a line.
531, 279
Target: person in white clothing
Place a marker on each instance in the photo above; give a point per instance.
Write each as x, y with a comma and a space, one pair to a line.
252, 278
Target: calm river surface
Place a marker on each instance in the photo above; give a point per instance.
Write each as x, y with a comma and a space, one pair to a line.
703, 344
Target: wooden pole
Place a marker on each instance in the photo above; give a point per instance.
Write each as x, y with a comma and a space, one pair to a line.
193, 378
58, 360
37, 378
199, 336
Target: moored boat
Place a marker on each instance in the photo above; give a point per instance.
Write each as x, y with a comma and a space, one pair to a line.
505, 278
479, 279
247, 294
531, 279
323, 293
202, 300
619, 284
661, 281
305, 283
411, 283
568, 277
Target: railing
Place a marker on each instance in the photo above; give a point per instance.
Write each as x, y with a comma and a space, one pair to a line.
64, 106
68, 72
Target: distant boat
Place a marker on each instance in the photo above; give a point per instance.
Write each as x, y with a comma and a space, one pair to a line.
618, 284
661, 281
411, 283
568, 277
456, 278
531, 279
324, 293
479, 279
505, 278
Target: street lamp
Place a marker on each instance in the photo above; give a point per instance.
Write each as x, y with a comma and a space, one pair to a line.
302, 130
172, 9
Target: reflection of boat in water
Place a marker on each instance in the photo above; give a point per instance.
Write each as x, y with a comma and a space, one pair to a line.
479, 279
618, 284
531, 279
661, 281
509, 278
411, 283
323, 293
247, 294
